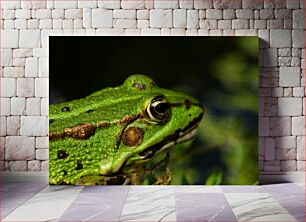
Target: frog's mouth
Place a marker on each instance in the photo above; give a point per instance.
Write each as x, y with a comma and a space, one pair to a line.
179, 136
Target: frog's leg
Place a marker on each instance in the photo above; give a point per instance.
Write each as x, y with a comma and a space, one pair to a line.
165, 179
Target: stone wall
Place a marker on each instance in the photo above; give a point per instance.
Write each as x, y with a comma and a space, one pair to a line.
26, 25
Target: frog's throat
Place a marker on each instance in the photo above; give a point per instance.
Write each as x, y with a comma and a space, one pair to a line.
179, 136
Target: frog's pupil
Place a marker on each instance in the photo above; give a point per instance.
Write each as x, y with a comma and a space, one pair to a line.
61, 154
161, 107
79, 166
65, 109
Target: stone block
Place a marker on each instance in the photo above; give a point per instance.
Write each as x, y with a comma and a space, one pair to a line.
298, 92
102, 18
288, 92
18, 166
42, 154
227, 4
8, 24
25, 87
269, 148
271, 168
124, 14
42, 142
288, 165
41, 87
214, 14
8, 14
224, 24
240, 24
285, 142
280, 126
58, 13
270, 57
46, 24
18, 106
13, 125
19, 148
284, 52
289, 106
295, 62
43, 67
191, 32
133, 4
165, 32
150, 32
73, 13
280, 38
143, 14
142, 24
301, 148
277, 92
301, 166
285, 154
298, 19
68, 24
29, 38
245, 14
178, 32
192, 19
125, 23
252, 4
160, 18
33, 106
289, 76
298, 125
283, 13
109, 4
229, 14
23, 14
19, 62
264, 126
203, 4
31, 67
66, 4
34, 165
8, 87
9, 38
20, 23
87, 18
21, 53
87, 4
34, 126
298, 38
186, 4
293, 4
11, 72
7, 57
43, 13
44, 107
45, 165
3, 129
10, 5
179, 18
166, 4
5, 108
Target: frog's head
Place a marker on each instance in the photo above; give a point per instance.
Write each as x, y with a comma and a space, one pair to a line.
164, 118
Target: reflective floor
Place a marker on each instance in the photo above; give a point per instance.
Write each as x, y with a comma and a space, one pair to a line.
40, 202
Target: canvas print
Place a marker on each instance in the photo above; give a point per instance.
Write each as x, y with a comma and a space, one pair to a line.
153, 110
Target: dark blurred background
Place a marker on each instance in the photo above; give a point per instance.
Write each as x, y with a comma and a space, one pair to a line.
222, 72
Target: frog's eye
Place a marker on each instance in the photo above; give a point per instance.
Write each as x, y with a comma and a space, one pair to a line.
159, 110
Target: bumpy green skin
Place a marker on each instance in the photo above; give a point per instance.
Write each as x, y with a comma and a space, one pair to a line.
100, 154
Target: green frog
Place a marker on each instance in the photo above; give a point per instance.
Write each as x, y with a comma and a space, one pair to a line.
104, 137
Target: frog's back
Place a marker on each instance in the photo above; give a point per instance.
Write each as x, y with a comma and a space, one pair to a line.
109, 104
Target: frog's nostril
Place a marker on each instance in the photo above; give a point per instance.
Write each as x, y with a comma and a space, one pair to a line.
65, 109
79, 166
62, 154
187, 103
90, 111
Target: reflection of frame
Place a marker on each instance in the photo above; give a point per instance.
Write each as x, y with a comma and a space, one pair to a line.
221, 72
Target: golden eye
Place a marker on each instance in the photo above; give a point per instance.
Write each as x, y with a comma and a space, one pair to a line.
159, 110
